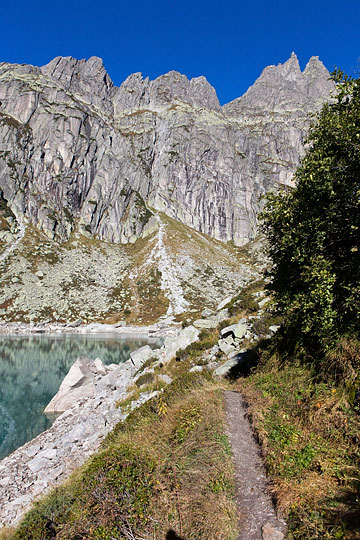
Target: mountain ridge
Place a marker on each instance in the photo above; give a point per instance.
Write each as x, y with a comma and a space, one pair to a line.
79, 156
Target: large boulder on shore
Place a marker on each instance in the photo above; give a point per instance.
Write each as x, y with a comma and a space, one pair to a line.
79, 383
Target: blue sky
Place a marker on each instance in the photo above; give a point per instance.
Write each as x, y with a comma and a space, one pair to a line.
228, 42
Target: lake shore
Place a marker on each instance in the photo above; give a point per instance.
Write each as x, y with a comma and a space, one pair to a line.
162, 329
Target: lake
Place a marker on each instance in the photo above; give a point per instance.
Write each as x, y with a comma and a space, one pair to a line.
32, 369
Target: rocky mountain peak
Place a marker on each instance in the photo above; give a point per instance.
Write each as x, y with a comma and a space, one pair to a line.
69, 70
290, 70
285, 88
87, 79
76, 152
164, 91
85, 166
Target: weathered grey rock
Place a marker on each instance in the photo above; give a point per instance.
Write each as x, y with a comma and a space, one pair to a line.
72, 145
223, 303
111, 380
31, 451
75, 324
38, 463
140, 356
48, 453
196, 369
181, 341
99, 366
228, 330
237, 330
225, 347
263, 302
78, 384
274, 328
229, 339
240, 330
165, 378
205, 323
225, 368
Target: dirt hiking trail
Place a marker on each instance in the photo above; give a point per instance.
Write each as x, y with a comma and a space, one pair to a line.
257, 516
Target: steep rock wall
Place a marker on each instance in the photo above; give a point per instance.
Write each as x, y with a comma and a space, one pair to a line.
76, 151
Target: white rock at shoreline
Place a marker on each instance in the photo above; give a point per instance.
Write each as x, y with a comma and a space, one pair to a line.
79, 383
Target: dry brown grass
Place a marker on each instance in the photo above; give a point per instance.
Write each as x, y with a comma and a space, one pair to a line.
195, 475
342, 364
308, 432
5, 533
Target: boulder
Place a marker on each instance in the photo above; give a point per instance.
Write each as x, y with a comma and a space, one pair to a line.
223, 303
274, 328
78, 384
181, 341
196, 369
225, 368
140, 356
75, 324
108, 381
99, 366
165, 378
205, 323
238, 330
225, 347
228, 330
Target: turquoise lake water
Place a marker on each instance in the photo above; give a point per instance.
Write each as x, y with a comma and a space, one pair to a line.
32, 369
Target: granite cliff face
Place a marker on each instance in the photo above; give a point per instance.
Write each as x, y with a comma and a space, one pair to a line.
76, 151
87, 169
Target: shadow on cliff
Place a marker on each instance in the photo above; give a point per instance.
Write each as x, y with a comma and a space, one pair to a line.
171, 535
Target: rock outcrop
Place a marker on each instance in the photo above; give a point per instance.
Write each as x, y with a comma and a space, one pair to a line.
76, 151
79, 383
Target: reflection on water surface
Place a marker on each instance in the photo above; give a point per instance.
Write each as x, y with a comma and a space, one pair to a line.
32, 369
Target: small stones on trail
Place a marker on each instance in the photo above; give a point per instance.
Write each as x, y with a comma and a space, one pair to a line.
270, 533
251, 485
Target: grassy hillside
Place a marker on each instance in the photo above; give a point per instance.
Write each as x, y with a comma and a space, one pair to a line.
168, 467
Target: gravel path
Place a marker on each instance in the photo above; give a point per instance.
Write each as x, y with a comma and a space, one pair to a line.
257, 516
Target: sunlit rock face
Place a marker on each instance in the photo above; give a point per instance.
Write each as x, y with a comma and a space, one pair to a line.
76, 151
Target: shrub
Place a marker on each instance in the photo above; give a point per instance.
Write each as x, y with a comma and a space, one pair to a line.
313, 230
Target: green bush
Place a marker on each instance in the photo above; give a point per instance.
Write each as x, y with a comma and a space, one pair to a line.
313, 230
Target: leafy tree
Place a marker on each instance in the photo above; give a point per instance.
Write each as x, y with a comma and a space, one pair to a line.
313, 230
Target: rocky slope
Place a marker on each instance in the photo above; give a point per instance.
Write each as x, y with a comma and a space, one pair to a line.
87, 167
